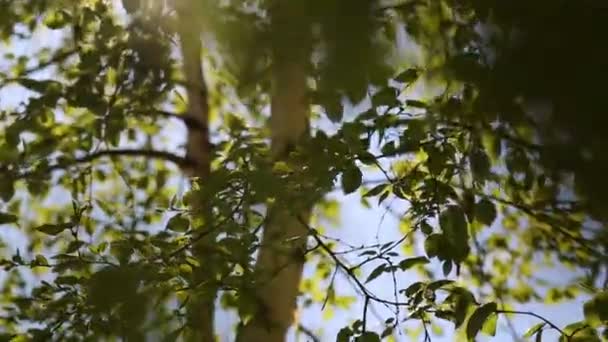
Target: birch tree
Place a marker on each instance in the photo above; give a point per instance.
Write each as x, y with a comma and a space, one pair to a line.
165, 164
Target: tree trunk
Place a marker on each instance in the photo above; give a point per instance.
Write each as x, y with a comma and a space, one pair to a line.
280, 261
202, 305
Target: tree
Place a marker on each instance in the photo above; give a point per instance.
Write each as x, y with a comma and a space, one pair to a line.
474, 171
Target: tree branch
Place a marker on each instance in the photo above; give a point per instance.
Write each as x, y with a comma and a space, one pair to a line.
529, 313
146, 153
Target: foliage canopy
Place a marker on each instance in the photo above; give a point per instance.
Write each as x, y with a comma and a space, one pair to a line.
495, 173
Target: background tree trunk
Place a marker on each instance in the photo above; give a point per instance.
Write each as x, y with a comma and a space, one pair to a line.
202, 306
281, 255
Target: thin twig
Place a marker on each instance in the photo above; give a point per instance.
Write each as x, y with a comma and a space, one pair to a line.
529, 313
168, 156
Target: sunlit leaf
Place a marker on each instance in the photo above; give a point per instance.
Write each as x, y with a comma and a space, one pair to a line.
479, 318
534, 329
376, 190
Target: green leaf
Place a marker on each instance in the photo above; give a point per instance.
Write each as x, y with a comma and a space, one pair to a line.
478, 319
367, 158
74, 246
408, 76
376, 273
433, 245
413, 288
539, 336
131, 6
454, 226
54, 229
331, 101
388, 148
368, 336
447, 267
489, 327
387, 332
596, 309
385, 97
178, 223
66, 280
56, 20
426, 228
40, 260
41, 87
463, 303
408, 263
534, 329
7, 189
480, 164
485, 212
376, 190
383, 197
453, 223
416, 104
7, 218
344, 335
439, 284
579, 332
351, 179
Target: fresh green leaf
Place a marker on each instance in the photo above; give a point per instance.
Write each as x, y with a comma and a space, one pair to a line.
408, 76
579, 332
434, 244
454, 226
408, 263
66, 280
447, 267
178, 223
534, 329
376, 190
489, 327
376, 273
351, 179
596, 309
426, 228
7, 218
388, 331
344, 335
54, 229
383, 197
478, 319
40, 260
57, 19
439, 284
74, 246
368, 336
413, 288
416, 103
539, 336
367, 158
485, 212
385, 97
41, 87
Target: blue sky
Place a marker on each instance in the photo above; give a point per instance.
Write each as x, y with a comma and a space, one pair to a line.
358, 225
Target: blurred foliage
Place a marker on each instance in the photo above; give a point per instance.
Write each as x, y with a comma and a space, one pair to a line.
497, 173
